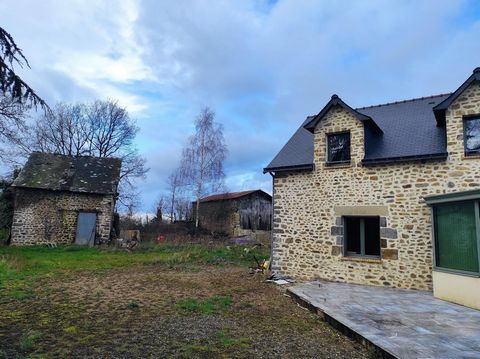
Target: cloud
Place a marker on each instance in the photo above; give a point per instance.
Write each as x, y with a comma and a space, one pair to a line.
263, 66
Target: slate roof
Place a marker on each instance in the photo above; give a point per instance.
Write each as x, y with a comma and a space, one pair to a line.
83, 174
337, 101
440, 109
409, 129
231, 195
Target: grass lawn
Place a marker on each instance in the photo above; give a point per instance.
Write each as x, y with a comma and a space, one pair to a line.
162, 301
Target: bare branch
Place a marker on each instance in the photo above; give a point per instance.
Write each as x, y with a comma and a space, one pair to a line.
101, 129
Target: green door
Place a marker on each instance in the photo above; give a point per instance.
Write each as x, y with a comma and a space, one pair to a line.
456, 238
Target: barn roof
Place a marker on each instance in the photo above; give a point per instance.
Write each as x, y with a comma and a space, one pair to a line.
84, 174
231, 195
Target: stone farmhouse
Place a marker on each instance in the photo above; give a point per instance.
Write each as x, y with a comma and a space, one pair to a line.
384, 195
61, 199
236, 213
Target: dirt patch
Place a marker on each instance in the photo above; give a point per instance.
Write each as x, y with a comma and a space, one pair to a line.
140, 311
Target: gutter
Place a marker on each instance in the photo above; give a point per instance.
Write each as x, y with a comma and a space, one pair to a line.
386, 160
288, 168
453, 197
272, 220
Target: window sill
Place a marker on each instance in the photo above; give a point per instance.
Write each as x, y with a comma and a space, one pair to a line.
362, 260
470, 157
333, 165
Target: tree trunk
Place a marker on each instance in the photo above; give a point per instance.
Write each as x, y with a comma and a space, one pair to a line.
197, 212
171, 208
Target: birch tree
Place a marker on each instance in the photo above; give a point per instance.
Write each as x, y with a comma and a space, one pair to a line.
174, 184
203, 158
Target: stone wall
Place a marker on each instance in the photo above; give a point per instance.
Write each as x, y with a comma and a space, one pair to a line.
236, 217
218, 216
46, 216
308, 206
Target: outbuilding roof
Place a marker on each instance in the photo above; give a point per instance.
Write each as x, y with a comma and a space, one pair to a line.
84, 174
232, 195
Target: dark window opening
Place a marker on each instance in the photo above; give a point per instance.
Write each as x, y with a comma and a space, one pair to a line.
362, 236
471, 133
456, 231
338, 148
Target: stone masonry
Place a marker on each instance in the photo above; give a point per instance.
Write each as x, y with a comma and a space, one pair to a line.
308, 206
43, 216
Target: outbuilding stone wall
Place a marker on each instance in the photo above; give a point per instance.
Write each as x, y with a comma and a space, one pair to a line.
308, 206
43, 216
235, 217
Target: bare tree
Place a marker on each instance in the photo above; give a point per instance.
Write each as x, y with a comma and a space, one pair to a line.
175, 181
160, 206
101, 129
12, 128
65, 130
182, 208
203, 157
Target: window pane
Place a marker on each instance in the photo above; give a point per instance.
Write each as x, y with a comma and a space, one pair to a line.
456, 240
352, 232
339, 147
372, 236
472, 136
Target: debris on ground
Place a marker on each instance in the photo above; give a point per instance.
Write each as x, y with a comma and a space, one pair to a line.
261, 266
279, 279
129, 244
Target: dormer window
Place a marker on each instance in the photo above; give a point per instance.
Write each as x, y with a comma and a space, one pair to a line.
338, 148
471, 132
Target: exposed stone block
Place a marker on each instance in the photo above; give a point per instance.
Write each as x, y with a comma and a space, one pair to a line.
337, 250
383, 243
383, 221
336, 231
388, 233
388, 253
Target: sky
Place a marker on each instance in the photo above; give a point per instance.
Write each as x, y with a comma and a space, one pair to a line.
262, 66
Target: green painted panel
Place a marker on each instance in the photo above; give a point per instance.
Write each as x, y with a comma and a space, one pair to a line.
456, 238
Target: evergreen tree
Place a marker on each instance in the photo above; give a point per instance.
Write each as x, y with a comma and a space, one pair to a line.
11, 85
6, 205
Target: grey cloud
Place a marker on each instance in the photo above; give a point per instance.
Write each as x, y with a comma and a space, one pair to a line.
262, 67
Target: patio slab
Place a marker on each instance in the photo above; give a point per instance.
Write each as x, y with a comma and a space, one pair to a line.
401, 323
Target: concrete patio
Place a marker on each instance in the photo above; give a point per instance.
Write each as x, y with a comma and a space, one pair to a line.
399, 323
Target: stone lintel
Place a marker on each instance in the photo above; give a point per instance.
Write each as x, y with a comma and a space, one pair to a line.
361, 210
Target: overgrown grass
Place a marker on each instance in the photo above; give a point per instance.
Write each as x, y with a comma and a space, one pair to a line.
219, 346
19, 265
207, 306
27, 341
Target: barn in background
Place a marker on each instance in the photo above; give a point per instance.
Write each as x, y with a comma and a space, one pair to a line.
236, 213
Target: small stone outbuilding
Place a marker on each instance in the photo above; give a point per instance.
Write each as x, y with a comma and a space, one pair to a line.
236, 213
62, 199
